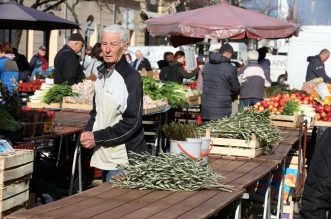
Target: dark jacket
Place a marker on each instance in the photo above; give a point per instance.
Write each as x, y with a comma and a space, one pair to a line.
316, 69
175, 72
265, 63
316, 197
23, 66
67, 67
143, 64
219, 80
129, 129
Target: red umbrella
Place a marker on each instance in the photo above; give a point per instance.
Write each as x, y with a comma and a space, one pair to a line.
222, 21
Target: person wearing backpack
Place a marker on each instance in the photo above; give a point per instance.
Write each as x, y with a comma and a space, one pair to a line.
9, 74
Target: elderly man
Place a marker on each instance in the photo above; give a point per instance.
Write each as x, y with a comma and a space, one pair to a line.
66, 63
115, 126
141, 62
316, 66
253, 74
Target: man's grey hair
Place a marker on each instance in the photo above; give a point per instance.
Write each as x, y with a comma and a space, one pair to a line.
324, 51
118, 29
252, 55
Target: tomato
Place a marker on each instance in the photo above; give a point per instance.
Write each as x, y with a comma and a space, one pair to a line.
264, 104
327, 108
281, 102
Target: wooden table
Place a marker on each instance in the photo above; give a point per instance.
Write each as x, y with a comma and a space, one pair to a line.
107, 202
75, 118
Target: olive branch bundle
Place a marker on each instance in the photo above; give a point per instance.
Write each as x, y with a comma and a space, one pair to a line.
180, 131
167, 172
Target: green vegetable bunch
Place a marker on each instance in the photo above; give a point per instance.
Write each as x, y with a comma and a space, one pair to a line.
57, 92
7, 122
291, 107
173, 92
243, 125
167, 172
180, 131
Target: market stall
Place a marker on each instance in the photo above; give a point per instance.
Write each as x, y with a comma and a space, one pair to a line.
106, 201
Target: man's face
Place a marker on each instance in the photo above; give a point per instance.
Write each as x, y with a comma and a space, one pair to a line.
138, 55
228, 55
112, 47
77, 46
324, 57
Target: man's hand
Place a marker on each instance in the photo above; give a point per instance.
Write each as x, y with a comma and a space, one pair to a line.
87, 140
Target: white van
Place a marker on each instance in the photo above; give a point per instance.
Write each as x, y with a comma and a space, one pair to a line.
311, 40
278, 64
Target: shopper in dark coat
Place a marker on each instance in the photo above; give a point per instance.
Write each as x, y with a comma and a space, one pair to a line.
219, 80
141, 62
316, 66
265, 63
175, 72
316, 198
66, 63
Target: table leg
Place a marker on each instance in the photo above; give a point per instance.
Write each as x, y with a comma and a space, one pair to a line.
59, 151
267, 200
238, 211
280, 194
73, 170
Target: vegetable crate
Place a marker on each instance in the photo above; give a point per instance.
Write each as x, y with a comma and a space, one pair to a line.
43, 105
155, 109
36, 122
15, 173
286, 121
236, 147
194, 100
77, 106
316, 122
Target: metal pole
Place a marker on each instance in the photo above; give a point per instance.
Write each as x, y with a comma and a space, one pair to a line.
65, 17
114, 10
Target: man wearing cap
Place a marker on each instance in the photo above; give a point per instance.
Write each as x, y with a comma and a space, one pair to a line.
38, 63
219, 81
66, 64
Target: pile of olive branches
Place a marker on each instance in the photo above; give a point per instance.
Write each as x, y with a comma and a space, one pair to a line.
167, 172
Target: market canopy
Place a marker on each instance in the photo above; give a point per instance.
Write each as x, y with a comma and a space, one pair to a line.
221, 21
16, 16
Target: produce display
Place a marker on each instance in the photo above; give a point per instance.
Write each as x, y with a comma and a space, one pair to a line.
38, 95
176, 94
9, 107
167, 172
56, 93
84, 91
322, 106
275, 104
149, 103
7, 121
243, 125
30, 86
